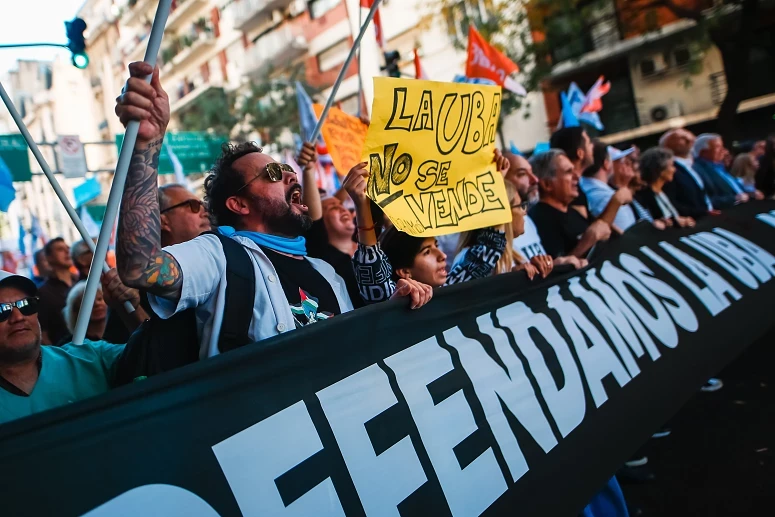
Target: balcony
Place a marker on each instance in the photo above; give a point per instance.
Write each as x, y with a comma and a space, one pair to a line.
198, 38
275, 49
188, 92
137, 11
183, 8
247, 14
134, 49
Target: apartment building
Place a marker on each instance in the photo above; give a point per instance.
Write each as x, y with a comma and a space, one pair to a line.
662, 74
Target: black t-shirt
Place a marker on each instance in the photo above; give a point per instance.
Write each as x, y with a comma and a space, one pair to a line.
581, 200
319, 247
319, 301
53, 297
559, 231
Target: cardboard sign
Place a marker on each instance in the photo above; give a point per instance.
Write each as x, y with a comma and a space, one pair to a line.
344, 136
430, 149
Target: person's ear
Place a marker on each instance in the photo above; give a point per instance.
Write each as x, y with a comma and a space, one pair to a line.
164, 223
238, 205
404, 273
545, 185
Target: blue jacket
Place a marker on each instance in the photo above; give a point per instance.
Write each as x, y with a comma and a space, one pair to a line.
722, 195
687, 196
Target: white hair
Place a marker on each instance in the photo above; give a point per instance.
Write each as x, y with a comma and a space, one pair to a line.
703, 141
73, 304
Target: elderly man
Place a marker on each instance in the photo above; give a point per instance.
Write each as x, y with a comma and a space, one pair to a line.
254, 201
688, 191
563, 232
81, 256
182, 215
34, 378
723, 188
577, 146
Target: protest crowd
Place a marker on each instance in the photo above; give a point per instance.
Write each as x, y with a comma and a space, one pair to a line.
263, 232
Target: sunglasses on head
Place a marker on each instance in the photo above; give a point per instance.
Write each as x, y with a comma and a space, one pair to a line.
273, 170
193, 204
27, 306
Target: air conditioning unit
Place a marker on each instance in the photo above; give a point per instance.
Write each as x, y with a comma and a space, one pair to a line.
653, 65
661, 112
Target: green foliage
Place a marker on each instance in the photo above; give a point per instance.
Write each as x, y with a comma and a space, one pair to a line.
211, 111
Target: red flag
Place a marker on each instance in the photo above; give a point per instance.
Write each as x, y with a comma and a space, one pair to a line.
377, 23
418, 71
486, 62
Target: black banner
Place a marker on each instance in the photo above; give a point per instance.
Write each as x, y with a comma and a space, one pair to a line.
497, 398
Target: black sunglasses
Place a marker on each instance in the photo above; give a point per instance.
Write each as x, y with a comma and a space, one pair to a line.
27, 306
193, 204
273, 170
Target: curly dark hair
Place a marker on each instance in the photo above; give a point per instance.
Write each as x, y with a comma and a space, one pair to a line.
223, 181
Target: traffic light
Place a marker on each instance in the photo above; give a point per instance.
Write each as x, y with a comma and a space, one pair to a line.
392, 57
76, 43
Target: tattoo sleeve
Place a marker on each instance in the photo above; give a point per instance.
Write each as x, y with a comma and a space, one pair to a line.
141, 262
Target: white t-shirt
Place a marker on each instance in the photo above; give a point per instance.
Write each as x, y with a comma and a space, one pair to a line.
529, 243
203, 266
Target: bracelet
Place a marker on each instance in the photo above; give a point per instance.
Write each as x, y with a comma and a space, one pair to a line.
365, 228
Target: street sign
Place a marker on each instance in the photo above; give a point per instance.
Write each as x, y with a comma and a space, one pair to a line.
197, 151
15, 154
72, 160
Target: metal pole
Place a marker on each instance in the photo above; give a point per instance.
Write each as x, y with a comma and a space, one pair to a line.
119, 179
360, 77
54, 183
20, 45
345, 66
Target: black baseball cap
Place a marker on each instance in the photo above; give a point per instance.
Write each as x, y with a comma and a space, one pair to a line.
20, 282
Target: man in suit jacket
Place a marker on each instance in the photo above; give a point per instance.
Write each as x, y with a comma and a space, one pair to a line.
723, 188
688, 190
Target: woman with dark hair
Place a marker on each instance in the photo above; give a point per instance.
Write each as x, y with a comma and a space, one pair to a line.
656, 170
765, 176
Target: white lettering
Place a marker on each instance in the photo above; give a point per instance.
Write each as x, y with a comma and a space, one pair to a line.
662, 325
713, 280
167, 500
676, 305
470, 490
598, 360
760, 254
492, 385
566, 403
716, 252
383, 481
254, 458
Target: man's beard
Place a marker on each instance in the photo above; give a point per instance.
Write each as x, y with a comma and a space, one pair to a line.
531, 195
280, 218
19, 354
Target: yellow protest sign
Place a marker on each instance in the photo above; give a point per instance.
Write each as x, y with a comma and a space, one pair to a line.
430, 149
344, 136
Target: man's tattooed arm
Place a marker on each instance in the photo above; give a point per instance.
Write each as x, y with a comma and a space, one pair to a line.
141, 262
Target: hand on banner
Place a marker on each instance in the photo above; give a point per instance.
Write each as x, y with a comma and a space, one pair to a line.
599, 231
501, 163
544, 264
528, 268
741, 198
572, 260
758, 195
355, 184
145, 102
659, 224
307, 156
419, 293
686, 222
115, 292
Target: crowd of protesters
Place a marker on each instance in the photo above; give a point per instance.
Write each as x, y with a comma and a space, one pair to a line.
311, 258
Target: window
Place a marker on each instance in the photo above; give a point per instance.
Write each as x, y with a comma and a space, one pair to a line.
682, 56
333, 55
318, 8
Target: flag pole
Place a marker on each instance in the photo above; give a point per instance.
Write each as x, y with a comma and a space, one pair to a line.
360, 77
119, 179
52, 179
343, 71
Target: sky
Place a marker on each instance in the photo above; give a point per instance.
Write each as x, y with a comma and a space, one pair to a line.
28, 21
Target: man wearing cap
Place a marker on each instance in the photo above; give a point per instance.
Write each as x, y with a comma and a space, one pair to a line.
604, 201
34, 378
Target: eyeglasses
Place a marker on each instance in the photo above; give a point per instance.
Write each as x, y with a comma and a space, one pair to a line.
522, 206
273, 170
193, 204
27, 306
